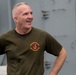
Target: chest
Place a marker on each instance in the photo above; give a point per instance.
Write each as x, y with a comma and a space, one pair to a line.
19, 48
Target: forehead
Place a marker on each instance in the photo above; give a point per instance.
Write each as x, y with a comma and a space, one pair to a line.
24, 8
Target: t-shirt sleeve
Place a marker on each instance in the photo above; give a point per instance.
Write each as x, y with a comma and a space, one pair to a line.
52, 45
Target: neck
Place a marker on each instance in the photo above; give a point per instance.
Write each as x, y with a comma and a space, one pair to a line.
23, 31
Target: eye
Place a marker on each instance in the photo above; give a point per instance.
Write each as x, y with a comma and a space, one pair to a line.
31, 13
25, 14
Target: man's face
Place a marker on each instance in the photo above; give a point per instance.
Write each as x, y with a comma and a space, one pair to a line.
24, 17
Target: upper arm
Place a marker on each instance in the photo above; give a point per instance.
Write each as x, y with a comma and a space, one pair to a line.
52, 45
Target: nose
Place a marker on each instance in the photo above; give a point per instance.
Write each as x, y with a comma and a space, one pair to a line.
30, 15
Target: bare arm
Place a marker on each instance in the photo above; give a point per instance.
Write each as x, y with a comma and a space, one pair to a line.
59, 62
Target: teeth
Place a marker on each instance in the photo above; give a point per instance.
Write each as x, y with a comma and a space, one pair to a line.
29, 21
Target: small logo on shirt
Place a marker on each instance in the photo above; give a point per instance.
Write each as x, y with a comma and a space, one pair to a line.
34, 46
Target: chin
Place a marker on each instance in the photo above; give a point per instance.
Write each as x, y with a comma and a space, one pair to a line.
28, 27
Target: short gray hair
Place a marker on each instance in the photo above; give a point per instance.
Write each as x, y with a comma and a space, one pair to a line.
15, 6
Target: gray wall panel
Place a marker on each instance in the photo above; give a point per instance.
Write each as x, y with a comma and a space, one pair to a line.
59, 22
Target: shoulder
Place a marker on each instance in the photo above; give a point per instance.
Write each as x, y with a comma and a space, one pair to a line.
7, 34
37, 30
42, 32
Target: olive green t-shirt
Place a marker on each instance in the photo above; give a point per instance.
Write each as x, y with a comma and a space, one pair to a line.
25, 53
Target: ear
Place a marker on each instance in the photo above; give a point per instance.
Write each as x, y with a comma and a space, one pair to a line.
15, 19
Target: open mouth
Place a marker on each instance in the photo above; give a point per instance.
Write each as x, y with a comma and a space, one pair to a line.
29, 21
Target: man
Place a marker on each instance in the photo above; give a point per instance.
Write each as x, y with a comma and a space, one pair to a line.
25, 45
